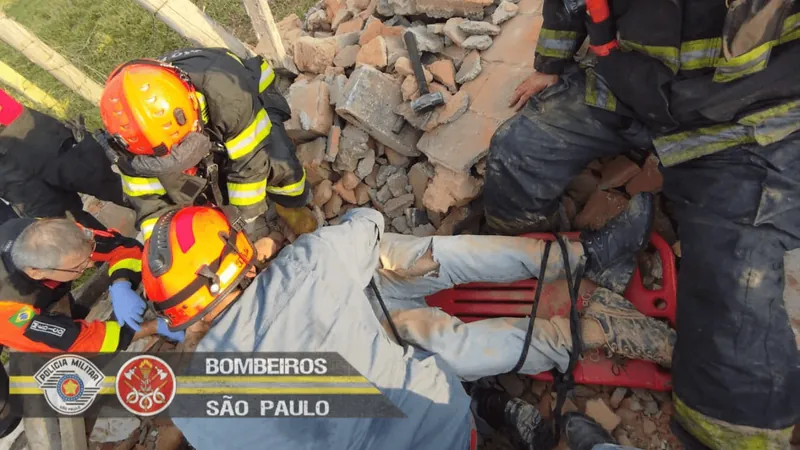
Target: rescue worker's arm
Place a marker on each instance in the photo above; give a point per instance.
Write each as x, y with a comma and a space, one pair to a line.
561, 36
27, 329
123, 255
261, 158
149, 199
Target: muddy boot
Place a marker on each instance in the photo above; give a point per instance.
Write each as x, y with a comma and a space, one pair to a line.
529, 430
301, 220
611, 250
629, 333
583, 433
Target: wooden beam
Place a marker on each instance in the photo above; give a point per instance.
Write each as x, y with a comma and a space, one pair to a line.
267, 32
189, 21
48, 59
73, 433
19, 83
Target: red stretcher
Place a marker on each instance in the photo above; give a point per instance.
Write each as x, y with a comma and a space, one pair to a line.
476, 301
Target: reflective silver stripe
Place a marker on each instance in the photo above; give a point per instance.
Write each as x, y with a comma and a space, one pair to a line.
267, 76
556, 43
137, 187
245, 194
251, 137
147, 227
750, 62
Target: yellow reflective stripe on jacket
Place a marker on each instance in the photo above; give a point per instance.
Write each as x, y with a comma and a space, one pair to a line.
598, 94
249, 139
292, 190
137, 186
791, 29
667, 55
751, 62
763, 128
267, 76
700, 53
132, 264
556, 43
111, 338
233, 55
246, 194
203, 105
147, 227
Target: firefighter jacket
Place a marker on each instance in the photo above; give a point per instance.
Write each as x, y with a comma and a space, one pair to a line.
25, 323
44, 166
702, 75
243, 115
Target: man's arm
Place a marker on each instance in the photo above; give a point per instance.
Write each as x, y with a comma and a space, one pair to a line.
24, 328
561, 36
149, 199
356, 240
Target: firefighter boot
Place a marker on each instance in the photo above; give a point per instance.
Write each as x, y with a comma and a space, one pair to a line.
629, 333
611, 250
583, 433
529, 430
301, 220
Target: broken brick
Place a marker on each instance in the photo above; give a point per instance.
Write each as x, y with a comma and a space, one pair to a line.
334, 135
409, 88
333, 206
601, 207
403, 67
397, 206
346, 194
322, 193
453, 31
377, 28
366, 165
444, 72
599, 411
454, 108
470, 68
340, 17
351, 26
477, 42
424, 230
618, 172
450, 188
472, 9
504, 12
460, 144
418, 177
332, 8
397, 159
479, 28
349, 180
362, 194
648, 180
312, 115
312, 153
314, 55
582, 186
397, 184
346, 57
618, 396
373, 53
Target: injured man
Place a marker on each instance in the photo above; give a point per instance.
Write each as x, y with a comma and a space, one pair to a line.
326, 282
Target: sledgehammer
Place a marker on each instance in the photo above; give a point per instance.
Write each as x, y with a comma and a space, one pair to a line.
427, 100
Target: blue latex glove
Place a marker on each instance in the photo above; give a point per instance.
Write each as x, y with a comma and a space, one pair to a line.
128, 306
163, 330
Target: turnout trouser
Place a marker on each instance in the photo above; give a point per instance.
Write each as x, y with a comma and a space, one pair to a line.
736, 364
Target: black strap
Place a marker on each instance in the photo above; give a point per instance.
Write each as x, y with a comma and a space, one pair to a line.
386, 312
212, 175
534, 307
564, 382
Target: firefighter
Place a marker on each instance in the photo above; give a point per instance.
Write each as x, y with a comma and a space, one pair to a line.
40, 258
199, 273
202, 126
45, 165
711, 87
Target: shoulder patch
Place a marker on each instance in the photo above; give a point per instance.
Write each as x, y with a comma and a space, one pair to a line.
21, 317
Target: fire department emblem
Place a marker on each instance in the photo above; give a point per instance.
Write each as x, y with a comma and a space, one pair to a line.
146, 385
70, 383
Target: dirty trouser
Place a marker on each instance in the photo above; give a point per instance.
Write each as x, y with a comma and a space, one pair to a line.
413, 268
738, 212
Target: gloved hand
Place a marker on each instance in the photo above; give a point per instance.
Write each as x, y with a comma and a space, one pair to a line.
163, 330
128, 306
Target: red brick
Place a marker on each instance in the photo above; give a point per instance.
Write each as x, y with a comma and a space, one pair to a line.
347, 195
373, 54
314, 55
582, 186
322, 193
312, 114
618, 172
648, 180
599, 411
332, 7
444, 72
350, 26
516, 43
601, 207
450, 188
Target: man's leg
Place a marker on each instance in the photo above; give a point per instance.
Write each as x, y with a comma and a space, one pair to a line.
737, 364
535, 154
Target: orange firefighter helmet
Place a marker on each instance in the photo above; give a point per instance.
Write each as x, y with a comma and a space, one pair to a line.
192, 261
148, 107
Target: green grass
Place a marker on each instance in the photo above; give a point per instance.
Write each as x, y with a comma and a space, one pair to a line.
97, 35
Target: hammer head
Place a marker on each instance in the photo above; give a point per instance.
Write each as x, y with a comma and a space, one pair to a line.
427, 102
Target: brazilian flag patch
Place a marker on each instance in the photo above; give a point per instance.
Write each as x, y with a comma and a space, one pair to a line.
22, 317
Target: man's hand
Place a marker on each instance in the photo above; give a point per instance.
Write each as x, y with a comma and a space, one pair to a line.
128, 306
530, 87
267, 247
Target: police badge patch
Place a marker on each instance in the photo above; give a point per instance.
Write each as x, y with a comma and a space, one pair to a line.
70, 383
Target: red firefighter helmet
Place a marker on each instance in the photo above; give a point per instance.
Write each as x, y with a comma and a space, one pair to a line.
192, 261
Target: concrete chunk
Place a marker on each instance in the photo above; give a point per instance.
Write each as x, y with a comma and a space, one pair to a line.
472, 9
473, 28
312, 115
460, 144
427, 41
478, 42
470, 68
368, 102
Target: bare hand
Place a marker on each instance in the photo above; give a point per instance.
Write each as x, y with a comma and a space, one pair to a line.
530, 87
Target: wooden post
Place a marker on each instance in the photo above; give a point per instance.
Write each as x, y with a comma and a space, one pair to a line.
16, 81
73, 433
267, 32
48, 59
189, 21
